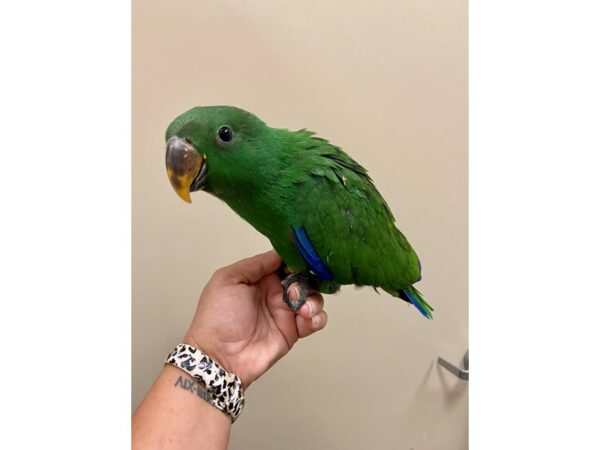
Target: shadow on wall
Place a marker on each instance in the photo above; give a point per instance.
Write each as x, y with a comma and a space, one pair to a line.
439, 395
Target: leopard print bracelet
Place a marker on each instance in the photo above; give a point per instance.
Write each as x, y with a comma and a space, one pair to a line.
224, 388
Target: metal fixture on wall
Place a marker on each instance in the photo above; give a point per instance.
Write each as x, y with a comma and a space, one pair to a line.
463, 374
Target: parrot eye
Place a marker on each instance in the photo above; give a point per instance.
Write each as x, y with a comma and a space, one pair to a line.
225, 134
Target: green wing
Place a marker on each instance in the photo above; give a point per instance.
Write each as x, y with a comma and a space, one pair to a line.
348, 222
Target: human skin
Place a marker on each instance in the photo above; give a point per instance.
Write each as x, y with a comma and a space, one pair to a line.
240, 322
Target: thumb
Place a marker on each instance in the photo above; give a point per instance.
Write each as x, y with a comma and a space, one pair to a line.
251, 270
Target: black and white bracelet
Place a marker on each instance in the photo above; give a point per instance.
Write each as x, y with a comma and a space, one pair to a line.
224, 388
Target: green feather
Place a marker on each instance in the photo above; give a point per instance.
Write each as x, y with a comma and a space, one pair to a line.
278, 179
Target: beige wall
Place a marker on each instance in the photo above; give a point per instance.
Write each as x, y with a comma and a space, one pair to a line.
386, 80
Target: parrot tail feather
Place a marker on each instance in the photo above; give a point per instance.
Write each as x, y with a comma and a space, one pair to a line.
413, 296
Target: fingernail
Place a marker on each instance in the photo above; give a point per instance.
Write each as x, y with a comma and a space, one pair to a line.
297, 293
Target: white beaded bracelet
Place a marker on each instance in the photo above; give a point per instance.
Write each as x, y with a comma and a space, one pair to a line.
224, 388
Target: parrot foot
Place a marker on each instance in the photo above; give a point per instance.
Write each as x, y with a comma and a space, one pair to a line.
283, 271
306, 280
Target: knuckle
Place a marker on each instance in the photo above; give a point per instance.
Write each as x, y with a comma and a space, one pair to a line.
315, 306
220, 273
323, 315
319, 320
319, 300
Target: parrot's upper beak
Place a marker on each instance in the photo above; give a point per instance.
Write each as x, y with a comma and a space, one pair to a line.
186, 167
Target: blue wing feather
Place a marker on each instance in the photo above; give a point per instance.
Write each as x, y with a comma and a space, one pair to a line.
310, 255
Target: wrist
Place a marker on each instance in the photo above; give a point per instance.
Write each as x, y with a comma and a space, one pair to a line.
232, 364
212, 349
174, 412
247, 367
216, 385
190, 391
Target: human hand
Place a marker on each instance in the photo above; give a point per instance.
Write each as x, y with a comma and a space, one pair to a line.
242, 322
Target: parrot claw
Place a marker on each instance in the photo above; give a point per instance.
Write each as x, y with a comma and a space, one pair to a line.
282, 272
306, 281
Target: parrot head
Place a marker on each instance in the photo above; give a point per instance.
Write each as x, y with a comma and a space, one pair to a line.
212, 147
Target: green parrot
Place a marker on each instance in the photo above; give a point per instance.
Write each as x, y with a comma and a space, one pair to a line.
317, 206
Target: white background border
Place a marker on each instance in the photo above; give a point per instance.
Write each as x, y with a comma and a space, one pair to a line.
65, 231
65, 227
534, 226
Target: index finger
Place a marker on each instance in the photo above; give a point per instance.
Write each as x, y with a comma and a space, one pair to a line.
251, 270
